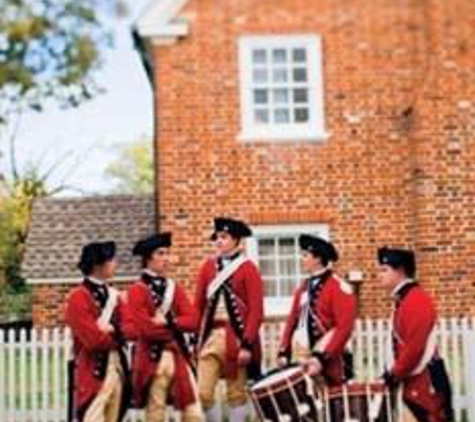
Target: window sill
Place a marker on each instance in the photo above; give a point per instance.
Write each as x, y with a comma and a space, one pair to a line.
249, 137
277, 307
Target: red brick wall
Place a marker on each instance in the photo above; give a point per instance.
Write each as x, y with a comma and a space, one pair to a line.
444, 156
400, 176
49, 303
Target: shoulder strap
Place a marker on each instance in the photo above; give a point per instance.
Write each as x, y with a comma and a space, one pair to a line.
108, 311
168, 297
223, 275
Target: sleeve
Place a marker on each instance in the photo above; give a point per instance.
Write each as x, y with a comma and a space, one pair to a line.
285, 348
255, 304
344, 309
127, 327
417, 321
80, 317
145, 327
200, 293
185, 317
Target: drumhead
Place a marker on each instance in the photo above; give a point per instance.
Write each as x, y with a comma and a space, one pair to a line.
276, 377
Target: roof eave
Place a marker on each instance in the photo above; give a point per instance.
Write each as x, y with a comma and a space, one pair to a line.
73, 280
173, 30
158, 25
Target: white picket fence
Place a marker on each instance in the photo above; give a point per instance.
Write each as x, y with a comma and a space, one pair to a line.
33, 370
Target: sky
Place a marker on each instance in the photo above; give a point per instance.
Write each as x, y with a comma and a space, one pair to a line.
121, 115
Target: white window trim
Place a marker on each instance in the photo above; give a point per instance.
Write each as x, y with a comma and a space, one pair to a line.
311, 131
279, 306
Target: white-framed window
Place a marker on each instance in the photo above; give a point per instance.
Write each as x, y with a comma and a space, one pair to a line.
281, 83
276, 251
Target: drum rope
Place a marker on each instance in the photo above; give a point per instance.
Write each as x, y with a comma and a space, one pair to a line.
368, 403
258, 407
302, 409
346, 404
388, 404
327, 405
317, 402
281, 416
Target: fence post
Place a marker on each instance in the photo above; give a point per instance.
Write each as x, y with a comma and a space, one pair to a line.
34, 376
469, 351
3, 378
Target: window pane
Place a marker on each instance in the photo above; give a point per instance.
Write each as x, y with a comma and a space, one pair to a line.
266, 247
287, 286
287, 267
300, 95
261, 116
259, 76
287, 246
261, 96
300, 74
259, 56
268, 267
281, 115
270, 287
281, 96
299, 55
301, 115
280, 75
279, 56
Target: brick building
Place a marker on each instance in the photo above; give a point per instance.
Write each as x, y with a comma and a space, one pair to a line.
354, 119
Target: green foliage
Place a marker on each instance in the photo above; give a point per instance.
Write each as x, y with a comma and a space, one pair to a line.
15, 212
49, 50
15, 304
133, 169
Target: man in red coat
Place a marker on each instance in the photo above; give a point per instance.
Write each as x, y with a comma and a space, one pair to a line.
161, 312
93, 312
229, 304
322, 316
417, 364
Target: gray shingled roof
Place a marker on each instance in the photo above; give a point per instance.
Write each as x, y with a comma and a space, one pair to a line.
60, 227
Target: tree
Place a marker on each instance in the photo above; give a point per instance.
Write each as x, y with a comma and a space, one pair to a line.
50, 50
15, 215
133, 169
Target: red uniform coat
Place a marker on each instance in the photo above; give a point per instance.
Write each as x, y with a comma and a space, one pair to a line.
91, 346
336, 308
152, 338
247, 285
413, 321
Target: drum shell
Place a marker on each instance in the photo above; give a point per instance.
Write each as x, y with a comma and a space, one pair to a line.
292, 395
355, 401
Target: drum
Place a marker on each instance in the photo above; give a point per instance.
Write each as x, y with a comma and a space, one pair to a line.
359, 402
286, 395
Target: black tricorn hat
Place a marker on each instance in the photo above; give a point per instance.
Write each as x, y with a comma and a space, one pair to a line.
318, 247
236, 228
96, 253
145, 247
398, 258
